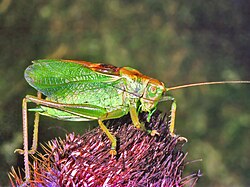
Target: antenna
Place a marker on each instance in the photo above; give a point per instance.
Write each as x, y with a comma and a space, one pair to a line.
206, 83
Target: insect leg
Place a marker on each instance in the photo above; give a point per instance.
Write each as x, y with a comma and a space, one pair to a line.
111, 115
135, 119
87, 111
137, 123
26, 150
35, 131
110, 136
25, 140
172, 113
172, 117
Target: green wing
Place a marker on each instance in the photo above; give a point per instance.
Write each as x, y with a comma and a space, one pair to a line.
74, 81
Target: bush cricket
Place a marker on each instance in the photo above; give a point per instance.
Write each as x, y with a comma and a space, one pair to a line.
85, 91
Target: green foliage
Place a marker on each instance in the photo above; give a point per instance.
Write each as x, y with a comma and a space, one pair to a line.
176, 42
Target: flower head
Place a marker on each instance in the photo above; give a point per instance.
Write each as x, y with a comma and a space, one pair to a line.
142, 160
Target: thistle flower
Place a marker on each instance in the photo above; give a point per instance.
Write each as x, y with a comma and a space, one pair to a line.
142, 160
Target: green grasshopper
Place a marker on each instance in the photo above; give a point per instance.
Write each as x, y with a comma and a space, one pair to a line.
84, 91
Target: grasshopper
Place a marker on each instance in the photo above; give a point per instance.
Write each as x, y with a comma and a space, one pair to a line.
84, 91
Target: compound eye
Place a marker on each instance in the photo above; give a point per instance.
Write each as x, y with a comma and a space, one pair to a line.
152, 91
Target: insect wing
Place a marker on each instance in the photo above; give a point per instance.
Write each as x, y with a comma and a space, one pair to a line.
101, 68
58, 79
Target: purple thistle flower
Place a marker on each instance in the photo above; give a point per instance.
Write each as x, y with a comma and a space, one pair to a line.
142, 160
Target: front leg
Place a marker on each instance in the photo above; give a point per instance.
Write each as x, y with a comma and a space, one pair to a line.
172, 118
138, 124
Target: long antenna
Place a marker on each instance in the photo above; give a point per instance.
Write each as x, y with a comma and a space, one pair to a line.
207, 83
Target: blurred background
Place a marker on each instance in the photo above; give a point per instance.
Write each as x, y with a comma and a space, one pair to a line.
177, 42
